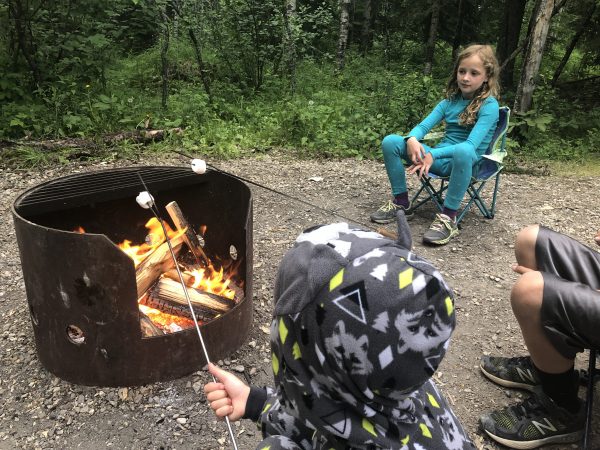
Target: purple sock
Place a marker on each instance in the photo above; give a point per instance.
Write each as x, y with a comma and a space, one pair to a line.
450, 212
402, 199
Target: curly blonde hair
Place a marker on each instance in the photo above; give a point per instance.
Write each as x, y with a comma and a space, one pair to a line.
490, 88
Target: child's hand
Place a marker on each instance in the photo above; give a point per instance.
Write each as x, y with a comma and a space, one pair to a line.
422, 167
597, 237
228, 395
521, 269
415, 151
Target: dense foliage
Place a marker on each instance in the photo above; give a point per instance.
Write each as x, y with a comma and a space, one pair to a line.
251, 75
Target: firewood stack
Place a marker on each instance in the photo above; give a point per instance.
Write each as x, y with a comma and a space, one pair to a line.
159, 286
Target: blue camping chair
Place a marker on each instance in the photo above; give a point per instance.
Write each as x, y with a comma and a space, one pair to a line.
487, 169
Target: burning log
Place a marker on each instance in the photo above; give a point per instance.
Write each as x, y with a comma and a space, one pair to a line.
177, 309
148, 327
173, 275
189, 237
158, 262
167, 289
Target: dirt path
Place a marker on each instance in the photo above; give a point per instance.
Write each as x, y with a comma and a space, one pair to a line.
38, 410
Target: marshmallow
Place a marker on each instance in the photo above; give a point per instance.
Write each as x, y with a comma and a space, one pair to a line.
145, 200
199, 166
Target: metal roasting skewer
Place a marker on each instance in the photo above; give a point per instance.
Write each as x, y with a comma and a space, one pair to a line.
187, 296
291, 197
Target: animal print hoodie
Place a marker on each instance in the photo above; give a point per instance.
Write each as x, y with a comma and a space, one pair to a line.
359, 327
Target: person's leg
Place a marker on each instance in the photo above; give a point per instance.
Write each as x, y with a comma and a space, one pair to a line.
463, 158
526, 301
394, 151
525, 246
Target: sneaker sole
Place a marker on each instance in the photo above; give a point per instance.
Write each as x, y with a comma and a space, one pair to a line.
386, 221
383, 221
507, 383
441, 241
568, 438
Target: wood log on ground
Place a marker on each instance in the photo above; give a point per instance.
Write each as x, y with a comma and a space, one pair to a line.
159, 261
168, 289
189, 237
140, 136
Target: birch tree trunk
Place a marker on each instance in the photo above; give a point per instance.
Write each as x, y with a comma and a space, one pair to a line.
343, 39
164, 48
533, 54
514, 10
290, 45
433, 27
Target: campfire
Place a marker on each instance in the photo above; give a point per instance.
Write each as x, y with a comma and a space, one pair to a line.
110, 316
162, 301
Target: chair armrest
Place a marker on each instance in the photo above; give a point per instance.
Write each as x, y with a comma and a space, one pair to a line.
496, 157
433, 136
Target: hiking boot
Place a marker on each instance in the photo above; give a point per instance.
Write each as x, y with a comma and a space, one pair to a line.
387, 213
518, 372
441, 230
534, 422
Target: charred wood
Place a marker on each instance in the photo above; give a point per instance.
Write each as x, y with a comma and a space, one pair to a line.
189, 236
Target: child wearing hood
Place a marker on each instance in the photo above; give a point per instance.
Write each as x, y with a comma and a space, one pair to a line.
360, 325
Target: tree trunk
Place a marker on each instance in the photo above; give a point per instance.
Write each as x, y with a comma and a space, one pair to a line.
582, 27
343, 39
433, 27
201, 67
22, 28
458, 32
514, 10
164, 48
367, 30
533, 55
290, 45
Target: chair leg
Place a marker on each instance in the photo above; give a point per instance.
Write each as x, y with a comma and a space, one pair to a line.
587, 444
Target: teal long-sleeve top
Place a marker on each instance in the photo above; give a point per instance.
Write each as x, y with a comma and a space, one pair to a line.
478, 135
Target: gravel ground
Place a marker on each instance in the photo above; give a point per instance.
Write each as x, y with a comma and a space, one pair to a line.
40, 411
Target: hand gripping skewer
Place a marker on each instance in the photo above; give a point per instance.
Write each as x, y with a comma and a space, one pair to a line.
146, 201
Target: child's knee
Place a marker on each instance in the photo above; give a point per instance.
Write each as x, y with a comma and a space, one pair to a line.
393, 144
526, 238
527, 294
463, 155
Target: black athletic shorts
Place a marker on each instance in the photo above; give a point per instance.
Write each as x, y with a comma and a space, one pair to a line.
571, 303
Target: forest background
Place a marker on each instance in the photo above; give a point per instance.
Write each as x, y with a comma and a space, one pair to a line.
326, 78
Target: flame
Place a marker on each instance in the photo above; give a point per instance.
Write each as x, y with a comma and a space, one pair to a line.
207, 279
211, 280
154, 239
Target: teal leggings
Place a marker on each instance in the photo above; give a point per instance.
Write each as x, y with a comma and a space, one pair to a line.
459, 167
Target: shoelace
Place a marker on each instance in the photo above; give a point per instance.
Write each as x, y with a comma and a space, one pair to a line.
519, 361
388, 207
439, 223
527, 408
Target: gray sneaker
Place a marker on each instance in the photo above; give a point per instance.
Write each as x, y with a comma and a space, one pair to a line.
387, 213
441, 230
534, 422
518, 372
